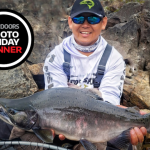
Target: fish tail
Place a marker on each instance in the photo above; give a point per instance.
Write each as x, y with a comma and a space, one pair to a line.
122, 141
147, 123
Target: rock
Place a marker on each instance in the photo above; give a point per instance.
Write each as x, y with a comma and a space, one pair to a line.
148, 66
137, 93
123, 33
49, 22
137, 100
112, 22
128, 10
146, 5
36, 69
133, 34
146, 111
17, 83
42, 43
129, 73
128, 30
38, 76
145, 25
111, 6
121, 48
50, 26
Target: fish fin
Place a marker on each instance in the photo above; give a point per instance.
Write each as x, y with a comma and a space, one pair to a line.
94, 93
122, 141
101, 146
134, 109
87, 145
45, 135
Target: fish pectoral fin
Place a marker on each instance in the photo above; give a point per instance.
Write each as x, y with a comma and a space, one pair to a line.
87, 145
134, 109
122, 141
45, 135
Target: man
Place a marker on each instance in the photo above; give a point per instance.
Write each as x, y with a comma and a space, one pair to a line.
85, 48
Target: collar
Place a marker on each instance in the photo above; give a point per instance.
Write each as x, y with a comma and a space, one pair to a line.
90, 48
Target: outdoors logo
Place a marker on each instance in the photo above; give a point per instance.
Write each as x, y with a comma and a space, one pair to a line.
16, 39
90, 3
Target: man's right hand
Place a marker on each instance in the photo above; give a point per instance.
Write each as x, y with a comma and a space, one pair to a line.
61, 137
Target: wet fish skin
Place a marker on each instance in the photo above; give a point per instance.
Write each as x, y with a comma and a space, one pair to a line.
75, 114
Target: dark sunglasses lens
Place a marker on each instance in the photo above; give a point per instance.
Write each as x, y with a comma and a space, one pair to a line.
94, 19
78, 20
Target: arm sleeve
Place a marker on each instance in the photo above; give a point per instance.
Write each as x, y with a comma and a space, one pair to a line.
54, 75
112, 83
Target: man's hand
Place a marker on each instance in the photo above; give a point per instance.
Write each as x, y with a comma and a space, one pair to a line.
61, 137
137, 135
71, 85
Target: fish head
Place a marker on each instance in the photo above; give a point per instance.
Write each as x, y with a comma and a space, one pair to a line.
20, 112
22, 119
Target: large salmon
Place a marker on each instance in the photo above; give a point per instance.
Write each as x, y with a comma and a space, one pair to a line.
75, 113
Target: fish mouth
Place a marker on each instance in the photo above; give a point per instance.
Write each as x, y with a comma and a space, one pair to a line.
22, 119
18, 112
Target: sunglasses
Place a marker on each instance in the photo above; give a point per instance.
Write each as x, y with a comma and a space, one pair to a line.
90, 19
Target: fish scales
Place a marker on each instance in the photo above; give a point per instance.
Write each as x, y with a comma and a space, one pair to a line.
76, 114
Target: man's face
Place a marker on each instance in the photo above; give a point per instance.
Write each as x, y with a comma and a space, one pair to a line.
86, 34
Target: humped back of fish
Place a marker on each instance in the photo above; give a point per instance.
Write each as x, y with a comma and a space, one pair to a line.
77, 114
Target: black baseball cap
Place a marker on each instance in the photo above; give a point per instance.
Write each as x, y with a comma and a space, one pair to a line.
87, 6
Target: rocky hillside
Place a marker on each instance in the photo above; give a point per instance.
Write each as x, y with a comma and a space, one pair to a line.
128, 30
48, 19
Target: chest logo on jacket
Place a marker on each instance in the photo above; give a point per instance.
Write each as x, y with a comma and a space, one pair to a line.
86, 80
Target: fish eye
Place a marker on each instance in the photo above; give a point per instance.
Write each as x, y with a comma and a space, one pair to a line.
12, 112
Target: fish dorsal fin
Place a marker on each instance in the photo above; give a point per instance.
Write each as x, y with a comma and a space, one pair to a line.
134, 109
45, 135
94, 93
87, 145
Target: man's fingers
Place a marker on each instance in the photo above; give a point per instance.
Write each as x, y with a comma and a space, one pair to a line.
139, 134
143, 130
134, 138
61, 137
121, 106
142, 112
